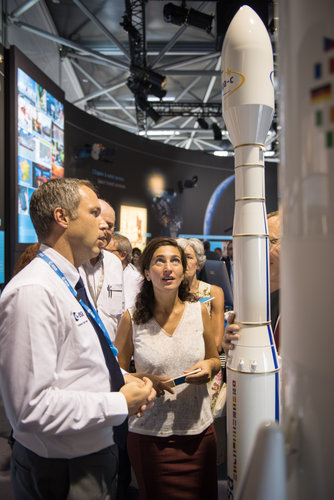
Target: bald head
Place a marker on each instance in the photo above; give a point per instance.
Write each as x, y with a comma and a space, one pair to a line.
274, 250
108, 223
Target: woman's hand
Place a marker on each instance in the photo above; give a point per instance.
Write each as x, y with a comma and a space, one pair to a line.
231, 334
202, 377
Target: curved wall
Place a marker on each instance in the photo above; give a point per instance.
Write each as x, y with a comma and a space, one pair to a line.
126, 162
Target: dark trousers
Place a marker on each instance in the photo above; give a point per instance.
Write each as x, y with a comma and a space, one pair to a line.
88, 477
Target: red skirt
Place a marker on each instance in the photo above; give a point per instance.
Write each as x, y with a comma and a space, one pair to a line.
175, 467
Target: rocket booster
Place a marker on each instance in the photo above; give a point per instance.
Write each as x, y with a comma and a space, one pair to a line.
252, 367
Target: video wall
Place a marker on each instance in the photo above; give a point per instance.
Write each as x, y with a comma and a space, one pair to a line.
40, 139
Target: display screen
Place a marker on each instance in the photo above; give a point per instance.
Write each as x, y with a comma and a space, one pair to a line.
40, 146
133, 225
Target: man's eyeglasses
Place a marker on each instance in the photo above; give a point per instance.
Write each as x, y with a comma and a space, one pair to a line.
273, 241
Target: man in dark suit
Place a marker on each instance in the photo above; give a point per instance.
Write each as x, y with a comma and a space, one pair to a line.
229, 261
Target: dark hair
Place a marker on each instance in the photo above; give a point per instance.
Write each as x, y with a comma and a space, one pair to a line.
145, 298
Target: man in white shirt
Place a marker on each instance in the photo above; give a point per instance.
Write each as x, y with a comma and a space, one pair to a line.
54, 377
120, 246
103, 276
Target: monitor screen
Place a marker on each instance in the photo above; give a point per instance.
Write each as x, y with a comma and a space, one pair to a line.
40, 145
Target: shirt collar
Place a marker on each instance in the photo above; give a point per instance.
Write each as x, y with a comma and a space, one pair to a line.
68, 269
90, 267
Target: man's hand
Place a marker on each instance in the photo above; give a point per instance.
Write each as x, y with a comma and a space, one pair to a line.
139, 394
231, 333
160, 384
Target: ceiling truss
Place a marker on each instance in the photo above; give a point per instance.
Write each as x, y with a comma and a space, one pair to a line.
105, 41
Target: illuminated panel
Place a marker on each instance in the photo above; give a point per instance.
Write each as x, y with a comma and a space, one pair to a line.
40, 146
133, 225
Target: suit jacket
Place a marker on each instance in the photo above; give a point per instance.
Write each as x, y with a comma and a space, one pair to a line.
227, 261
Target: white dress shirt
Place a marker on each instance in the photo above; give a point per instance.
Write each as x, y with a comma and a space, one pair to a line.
132, 285
53, 376
104, 285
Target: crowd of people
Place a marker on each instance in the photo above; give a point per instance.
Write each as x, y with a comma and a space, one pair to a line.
93, 337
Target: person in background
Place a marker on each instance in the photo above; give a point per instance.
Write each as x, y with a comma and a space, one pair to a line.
229, 261
136, 253
121, 247
103, 276
194, 251
232, 329
208, 253
63, 391
219, 253
26, 256
168, 332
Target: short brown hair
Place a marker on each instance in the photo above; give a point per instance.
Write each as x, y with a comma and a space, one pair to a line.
123, 245
62, 192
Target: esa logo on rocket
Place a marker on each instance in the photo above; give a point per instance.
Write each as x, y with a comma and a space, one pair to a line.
232, 82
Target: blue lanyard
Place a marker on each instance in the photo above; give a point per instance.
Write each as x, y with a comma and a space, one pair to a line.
90, 310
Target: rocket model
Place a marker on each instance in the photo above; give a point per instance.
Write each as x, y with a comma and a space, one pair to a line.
252, 367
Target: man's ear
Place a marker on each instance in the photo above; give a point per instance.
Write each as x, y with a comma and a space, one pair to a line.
61, 217
123, 255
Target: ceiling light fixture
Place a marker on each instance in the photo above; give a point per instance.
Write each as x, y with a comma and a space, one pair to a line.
217, 133
181, 15
142, 103
202, 123
149, 76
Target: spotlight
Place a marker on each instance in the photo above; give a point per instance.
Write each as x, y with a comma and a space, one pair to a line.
217, 133
191, 183
152, 113
188, 183
202, 123
149, 76
138, 86
181, 15
142, 103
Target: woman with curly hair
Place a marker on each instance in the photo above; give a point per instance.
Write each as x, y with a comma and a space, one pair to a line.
172, 447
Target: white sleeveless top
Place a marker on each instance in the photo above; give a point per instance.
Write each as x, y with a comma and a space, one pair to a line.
187, 411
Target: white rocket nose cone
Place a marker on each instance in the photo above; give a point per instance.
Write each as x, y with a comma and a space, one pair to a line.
247, 58
246, 27
247, 77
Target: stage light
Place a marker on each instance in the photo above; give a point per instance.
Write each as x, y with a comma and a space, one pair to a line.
142, 103
149, 76
143, 87
217, 133
181, 15
202, 123
188, 183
